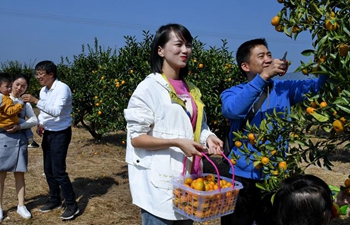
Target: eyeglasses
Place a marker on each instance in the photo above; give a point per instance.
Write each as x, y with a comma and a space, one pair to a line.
40, 75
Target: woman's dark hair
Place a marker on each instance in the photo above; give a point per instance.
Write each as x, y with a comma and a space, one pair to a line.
161, 38
243, 51
303, 200
25, 77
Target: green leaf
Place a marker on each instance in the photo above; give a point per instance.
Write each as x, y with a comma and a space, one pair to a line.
320, 117
344, 108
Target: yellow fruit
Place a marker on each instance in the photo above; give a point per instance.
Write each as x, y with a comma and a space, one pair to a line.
313, 104
131, 71
282, 165
323, 104
338, 126
343, 50
233, 161
310, 110
200, 66
275, 20
295, 29
238, 144
265, 160
279, 28
188, 180
274, 172
99, 112
331, 26
273, 152
305, 71
347, 182
258, 166
251, 136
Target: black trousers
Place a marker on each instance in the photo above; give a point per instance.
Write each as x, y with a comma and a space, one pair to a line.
250, 206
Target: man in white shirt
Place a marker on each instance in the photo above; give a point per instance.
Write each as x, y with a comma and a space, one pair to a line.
54, 125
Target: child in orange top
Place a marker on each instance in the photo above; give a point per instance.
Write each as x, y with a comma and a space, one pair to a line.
8, 110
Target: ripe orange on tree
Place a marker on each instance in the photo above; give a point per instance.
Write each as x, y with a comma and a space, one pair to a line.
310, 110
323, 104
305, 71
347, 182
295, 29
200, 66
275, 20
282, 165
273, 152
233, 161
238, 144
313, 104
279, 28
331, 26
343, 50
265, 160
280, 1
251, 136
338, 126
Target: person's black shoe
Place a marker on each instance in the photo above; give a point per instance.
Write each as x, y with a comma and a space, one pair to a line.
33, 145
70, 212
50, 206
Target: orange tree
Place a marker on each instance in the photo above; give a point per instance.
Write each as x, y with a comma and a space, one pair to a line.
102, 81
328, 111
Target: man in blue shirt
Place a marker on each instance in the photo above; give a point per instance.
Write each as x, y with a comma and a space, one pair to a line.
255, 61
54, 125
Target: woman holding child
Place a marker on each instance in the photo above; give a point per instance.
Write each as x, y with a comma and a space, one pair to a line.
14, 146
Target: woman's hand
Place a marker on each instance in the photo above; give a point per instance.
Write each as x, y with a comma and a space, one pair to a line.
190, 147
13, 128
215, 145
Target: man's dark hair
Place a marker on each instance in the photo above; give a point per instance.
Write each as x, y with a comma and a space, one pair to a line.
243, 52
48, 66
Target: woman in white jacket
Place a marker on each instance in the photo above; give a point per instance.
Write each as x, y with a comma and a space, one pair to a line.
165, 123
14, 156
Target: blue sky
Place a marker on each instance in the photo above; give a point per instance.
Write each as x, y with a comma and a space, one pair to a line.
32, 31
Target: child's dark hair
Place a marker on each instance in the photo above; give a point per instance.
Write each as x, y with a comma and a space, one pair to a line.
303, 200
243, 52
161, 38
5, 77
48, 66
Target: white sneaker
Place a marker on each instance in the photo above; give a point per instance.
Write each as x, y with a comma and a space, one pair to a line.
22, 210
1, 215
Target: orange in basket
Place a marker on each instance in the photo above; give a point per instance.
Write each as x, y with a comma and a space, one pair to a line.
206, 203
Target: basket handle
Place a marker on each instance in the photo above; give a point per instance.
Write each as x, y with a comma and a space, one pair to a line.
232, 168
215, 167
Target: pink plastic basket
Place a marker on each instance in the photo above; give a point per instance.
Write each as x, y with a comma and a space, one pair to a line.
205, 205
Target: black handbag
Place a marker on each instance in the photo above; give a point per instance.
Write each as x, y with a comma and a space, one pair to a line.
256, 106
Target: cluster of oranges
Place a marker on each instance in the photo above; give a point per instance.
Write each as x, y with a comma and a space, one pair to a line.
338, 124
205, 204
206, 183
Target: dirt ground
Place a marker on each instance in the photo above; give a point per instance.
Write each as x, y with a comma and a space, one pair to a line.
99, 176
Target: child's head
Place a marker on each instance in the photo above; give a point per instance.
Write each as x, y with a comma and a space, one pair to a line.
303, 200
5, 83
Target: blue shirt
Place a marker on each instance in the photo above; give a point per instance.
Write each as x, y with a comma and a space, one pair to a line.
238, 100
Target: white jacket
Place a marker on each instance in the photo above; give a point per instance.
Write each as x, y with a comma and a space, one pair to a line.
151, 111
